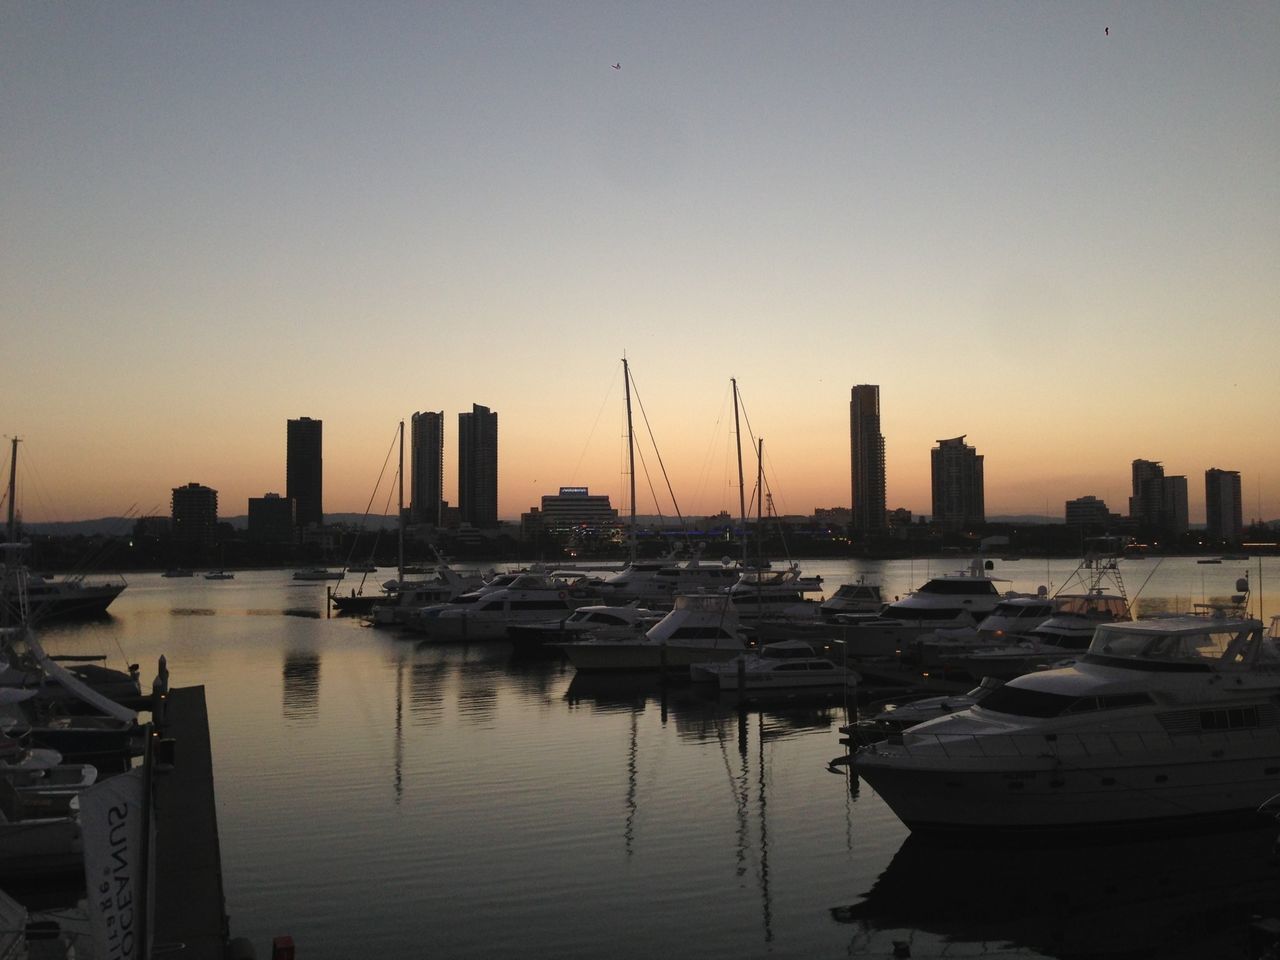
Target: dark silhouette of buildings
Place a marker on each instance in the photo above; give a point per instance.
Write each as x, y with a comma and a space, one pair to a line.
478, 467
195, 514
1223, 511
426, 456
866, 457
304, 470
958, 497
1158, 503
271, 519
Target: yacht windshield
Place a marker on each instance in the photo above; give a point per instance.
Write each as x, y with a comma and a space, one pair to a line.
1208, 646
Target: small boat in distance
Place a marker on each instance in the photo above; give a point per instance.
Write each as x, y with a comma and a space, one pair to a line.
317, 573
219, 575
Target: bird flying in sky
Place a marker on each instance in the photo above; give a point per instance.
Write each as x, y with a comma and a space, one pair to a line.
1107, 31
617, 66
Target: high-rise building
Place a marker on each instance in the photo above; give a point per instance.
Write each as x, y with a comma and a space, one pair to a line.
866, 458
1223, 511
1144, 502
958, 497
195, 514
304, 470
426, 456
1158, 503
478, 467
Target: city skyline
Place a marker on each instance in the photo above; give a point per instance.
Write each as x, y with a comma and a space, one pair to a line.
1023, 229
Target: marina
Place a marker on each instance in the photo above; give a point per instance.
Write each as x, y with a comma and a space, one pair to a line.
376, 794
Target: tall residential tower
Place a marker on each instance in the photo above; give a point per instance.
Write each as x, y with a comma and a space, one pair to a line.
958, 498
1223, 511
866, 458
478, 467
426, 455
304, 470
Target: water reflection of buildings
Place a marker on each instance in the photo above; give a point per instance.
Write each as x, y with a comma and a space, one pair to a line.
301, 686
1180, 896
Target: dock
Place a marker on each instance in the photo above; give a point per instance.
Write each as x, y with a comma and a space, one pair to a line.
190, 914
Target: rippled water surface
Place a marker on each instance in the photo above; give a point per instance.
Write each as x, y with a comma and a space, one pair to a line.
378, 796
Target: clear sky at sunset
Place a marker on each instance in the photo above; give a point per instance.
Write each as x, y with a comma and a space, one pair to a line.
1051, 227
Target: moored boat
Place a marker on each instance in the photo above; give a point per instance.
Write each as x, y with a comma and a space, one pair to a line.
1162, 721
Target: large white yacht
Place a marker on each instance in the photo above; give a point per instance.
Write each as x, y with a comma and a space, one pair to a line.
955, 600
661, 581
1162, 720
699, 627
853, 599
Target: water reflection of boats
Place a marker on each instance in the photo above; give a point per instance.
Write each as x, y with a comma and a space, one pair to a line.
1192, 896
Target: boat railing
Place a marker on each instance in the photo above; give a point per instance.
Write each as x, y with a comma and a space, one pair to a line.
1073, 747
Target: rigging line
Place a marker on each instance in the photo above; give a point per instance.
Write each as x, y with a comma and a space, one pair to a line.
1134, 598
369, 506
594, 424
657, 453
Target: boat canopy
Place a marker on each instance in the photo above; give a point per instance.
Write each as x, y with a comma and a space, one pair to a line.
1210, 643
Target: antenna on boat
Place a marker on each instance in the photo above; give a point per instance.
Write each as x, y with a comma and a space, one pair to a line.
400, 513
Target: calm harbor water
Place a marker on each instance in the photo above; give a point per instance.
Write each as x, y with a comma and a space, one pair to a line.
378, 796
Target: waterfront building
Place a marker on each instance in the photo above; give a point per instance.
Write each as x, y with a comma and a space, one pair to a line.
426, 460
194, 514
866, 458
577, 507
272, 518
304, 470
958, 497
1223, 511
1158, 502
1089, 512
478, 467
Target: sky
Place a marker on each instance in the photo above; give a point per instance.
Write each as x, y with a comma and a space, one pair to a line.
1052, 228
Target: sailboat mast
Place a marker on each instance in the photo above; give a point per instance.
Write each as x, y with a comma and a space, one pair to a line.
13, 483
742, 490
400, 513
760, 506
631, 459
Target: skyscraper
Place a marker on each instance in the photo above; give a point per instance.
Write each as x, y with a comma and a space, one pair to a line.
426, 456
958, 497
1223, 511
478, 467
195, 514
304, 470
866, 458
1158, 503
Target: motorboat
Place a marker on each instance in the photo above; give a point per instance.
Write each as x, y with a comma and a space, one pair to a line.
659, 582
960, 599
700, 627
487, 612
1012, 617
762, 593
67, 599
587, 622
1162, 721
784, 665
884, 719
317, 573
853, 599
219, 575
400, 598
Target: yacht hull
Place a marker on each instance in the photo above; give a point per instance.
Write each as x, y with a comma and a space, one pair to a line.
1054, 789
620, 656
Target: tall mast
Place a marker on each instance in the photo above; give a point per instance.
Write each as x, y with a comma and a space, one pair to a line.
631, 459
13, 482
742, 490
760, 505
400, 513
